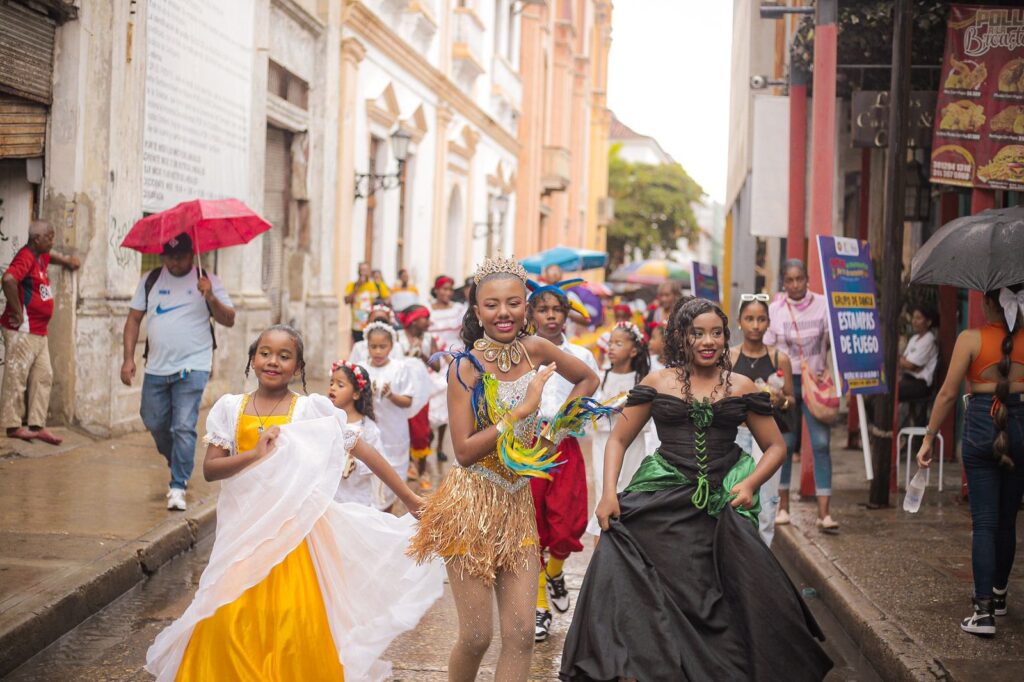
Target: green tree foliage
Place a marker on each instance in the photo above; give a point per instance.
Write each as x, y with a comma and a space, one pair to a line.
652, 206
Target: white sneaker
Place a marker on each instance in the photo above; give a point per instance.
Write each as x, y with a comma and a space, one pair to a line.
176, 499
782, 518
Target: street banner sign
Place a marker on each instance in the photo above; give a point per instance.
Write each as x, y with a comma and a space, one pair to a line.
854, 325
704, 281
979, 117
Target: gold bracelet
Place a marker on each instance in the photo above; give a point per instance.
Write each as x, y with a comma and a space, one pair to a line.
503, 424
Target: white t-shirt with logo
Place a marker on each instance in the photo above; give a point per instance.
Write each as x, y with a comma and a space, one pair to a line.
178, 322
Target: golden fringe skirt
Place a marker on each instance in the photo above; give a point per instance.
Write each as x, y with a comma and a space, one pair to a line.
483, 515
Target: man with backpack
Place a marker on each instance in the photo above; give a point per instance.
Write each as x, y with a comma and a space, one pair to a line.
180, 302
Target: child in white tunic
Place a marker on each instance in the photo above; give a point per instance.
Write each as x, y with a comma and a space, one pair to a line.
400, 389
350, 392
629, 363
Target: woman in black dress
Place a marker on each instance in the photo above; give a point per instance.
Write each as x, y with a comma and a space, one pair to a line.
681, 586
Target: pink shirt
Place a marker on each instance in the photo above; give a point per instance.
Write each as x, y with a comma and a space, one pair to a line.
802, 334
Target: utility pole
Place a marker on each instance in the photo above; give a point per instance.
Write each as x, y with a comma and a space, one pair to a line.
892, 245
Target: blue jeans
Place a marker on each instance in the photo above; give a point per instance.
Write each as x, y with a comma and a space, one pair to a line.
993, 492
170, 409
821, 438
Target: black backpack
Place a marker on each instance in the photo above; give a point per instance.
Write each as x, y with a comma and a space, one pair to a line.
151, 279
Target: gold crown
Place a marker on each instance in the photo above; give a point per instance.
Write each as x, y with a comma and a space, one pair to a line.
493, 266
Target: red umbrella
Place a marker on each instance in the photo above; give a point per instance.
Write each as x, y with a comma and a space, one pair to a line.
212, 224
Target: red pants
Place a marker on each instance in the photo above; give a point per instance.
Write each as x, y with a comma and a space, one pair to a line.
561, 503
420, 434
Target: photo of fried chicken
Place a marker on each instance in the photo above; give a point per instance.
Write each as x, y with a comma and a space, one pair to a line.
962, 115
1006, 166
966, 75
1009, 120
1011, 76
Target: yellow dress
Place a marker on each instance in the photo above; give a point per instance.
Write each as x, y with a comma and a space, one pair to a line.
277, 629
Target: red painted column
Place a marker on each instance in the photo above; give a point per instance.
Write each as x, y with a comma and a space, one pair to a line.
797, 233
981, 199
823, 145
823, 152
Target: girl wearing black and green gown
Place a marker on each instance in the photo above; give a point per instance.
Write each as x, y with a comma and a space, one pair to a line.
680, 586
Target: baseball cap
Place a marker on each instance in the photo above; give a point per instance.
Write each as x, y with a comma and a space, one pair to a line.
178, 245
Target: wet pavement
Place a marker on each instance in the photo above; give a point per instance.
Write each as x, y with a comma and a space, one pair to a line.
915, 569
79, 525
111, 645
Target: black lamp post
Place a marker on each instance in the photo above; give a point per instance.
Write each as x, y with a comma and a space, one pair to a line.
370, 183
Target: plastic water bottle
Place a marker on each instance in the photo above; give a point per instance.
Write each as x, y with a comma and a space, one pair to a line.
777, 381
915, 491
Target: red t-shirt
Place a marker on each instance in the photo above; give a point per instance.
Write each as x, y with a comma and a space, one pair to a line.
34, 291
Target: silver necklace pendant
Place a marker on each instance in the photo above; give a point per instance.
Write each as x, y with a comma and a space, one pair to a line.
259, 429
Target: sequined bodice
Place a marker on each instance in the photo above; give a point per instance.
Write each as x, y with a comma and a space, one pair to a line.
510, 394
491, 468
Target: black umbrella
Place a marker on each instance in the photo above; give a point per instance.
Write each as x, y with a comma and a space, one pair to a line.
982, 252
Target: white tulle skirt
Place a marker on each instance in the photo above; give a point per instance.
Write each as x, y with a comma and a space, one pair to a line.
371, 591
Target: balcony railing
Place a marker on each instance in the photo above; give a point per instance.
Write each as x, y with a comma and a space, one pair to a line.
467, 44
505, 82
556, 169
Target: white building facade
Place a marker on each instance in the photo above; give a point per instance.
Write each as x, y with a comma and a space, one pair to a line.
443, 74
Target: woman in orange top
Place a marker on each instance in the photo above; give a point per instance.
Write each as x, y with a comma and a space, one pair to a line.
992, 360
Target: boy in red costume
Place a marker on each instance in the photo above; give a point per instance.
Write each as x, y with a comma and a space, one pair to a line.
560, 503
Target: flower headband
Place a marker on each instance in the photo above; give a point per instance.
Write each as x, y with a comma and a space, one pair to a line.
378, 307
638, 336
356, 370
382, 326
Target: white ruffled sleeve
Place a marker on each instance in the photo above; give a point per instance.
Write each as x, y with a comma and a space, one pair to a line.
221, 423
317, 406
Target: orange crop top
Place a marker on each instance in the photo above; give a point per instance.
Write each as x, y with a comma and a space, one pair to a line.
992, 336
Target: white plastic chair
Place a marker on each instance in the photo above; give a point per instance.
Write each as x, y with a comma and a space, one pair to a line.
910, 432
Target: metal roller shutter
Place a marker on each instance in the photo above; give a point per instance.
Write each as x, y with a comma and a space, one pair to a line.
26, 52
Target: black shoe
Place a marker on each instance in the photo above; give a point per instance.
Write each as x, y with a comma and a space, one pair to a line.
441, 457
999, 601
557, 592
542, 626
983, 621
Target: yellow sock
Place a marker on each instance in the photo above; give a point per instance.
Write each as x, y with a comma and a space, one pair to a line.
554, 567
542, 593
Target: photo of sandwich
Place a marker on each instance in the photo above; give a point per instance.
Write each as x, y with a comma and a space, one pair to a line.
1011, 76
1006, 166
962, 115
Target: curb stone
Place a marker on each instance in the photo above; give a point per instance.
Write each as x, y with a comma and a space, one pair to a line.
880, 638
96, 586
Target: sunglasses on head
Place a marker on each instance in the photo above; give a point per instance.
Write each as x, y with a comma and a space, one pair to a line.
747, 298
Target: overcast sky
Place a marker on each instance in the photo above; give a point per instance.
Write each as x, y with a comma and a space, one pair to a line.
668, 77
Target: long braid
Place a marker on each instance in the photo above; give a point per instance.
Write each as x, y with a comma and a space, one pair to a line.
1001, 444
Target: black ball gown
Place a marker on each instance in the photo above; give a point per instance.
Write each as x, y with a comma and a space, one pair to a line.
681, 587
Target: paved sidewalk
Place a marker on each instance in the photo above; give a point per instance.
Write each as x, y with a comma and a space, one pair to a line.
80, 524
899, 583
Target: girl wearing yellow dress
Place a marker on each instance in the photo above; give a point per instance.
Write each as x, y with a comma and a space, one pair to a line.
298, 586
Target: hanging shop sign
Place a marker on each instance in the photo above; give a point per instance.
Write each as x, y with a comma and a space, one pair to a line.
869, 120
854, 325
979, 119
704, 281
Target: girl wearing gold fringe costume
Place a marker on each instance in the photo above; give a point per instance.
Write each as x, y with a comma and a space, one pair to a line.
481, 520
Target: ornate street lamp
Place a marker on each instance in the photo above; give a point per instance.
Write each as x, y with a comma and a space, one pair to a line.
370, 183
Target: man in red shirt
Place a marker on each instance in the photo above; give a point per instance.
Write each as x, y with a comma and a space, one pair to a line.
24, 324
